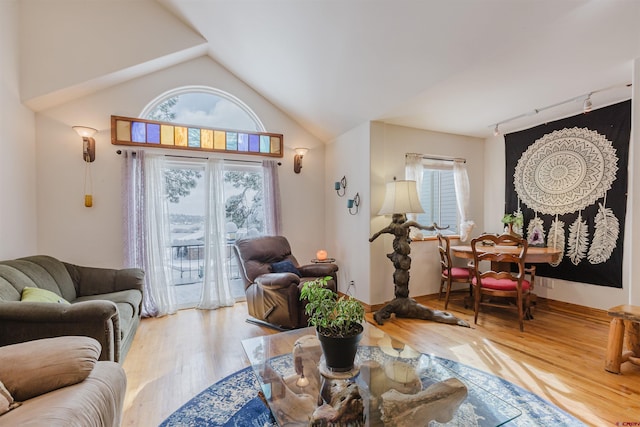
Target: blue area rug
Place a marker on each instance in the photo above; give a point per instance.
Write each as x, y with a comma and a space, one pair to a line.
234, 401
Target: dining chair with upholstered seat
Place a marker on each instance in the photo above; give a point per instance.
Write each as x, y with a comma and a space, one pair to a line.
448, 273
501, 288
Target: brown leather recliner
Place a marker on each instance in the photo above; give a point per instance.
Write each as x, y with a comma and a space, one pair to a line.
271, 280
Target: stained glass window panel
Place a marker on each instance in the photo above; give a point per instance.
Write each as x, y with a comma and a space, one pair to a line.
243, 142
254, 143
207, 138
265, 144
194, 137
132, 131
123, 130
166, 135
153, 133
181, 136
219, 140
275, 145
138, 132
232, 141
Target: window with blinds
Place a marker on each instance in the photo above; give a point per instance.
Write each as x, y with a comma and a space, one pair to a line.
438, 199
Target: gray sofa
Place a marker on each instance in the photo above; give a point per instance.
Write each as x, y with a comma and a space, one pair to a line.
105, 303
58, 382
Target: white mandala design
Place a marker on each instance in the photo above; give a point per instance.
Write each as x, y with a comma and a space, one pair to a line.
566, 171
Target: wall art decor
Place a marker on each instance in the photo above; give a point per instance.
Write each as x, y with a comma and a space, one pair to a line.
569, 177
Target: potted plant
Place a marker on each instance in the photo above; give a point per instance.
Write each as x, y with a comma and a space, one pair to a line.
514, 222
338, 322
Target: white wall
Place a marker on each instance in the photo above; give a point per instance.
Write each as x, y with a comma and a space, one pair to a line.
80, 44
93, 236
348, 156
370, 156
425, 261
17, 148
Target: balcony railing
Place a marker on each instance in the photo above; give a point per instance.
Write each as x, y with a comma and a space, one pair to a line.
187, 264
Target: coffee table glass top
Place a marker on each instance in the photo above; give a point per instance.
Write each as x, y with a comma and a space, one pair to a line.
289, 366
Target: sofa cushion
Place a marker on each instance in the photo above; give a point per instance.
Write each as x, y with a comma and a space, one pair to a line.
128, 303
27, 374
41, 295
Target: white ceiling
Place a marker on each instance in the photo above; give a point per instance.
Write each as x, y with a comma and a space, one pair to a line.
456, 66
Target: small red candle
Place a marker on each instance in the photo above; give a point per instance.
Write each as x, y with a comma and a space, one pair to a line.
321, 255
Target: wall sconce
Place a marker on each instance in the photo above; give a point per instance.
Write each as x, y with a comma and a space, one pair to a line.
89, 155
297, 159
341, 185
353, 202
88, 143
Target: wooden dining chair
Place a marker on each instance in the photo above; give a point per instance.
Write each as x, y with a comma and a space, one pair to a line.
505, 289
448, 273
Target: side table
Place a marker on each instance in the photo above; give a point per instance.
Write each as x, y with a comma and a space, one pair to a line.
323, 261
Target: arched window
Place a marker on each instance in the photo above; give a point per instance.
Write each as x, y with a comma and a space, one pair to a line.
193, 202
203, 106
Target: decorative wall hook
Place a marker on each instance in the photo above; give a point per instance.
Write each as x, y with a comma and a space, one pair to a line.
341, 185
354, 202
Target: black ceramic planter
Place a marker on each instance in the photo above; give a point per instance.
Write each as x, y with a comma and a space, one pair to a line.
340, 352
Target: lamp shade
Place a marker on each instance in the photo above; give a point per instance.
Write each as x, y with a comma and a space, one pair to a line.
401, 197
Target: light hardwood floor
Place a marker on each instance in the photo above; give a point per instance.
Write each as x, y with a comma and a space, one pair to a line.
559, 356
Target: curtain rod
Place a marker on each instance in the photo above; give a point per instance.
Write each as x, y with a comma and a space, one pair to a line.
207, 158
443, 158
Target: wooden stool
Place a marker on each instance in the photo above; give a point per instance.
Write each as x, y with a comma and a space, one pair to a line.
624, 317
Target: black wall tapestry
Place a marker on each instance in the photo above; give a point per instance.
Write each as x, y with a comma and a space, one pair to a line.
569, 179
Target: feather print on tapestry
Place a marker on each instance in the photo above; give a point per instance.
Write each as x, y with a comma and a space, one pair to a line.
578, 240
555, 239
605, 237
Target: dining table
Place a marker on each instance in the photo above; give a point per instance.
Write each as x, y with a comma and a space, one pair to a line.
534, 254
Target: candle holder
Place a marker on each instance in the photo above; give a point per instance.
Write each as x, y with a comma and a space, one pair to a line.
341, 186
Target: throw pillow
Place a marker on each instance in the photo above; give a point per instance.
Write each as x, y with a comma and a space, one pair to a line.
41, 295
32, 368
6, 400
285, 266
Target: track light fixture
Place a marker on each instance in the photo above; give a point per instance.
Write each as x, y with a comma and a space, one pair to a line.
587, 106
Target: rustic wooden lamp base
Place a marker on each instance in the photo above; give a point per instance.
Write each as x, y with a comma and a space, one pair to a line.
409, 308
624, 317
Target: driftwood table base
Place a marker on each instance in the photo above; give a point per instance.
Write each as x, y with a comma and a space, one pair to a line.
409, 308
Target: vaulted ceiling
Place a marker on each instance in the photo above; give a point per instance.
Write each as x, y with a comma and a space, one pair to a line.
456, 66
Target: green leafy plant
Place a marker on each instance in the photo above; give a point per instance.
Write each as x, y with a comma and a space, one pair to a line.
516, 218
331, 315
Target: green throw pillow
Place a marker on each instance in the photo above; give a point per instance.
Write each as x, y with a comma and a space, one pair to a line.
41, 295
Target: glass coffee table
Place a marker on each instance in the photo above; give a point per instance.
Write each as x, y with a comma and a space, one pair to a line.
394, 384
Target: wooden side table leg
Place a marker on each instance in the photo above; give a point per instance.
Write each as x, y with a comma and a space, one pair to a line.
632, 342
614, 346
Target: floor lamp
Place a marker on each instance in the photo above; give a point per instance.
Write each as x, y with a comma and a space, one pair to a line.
401, 198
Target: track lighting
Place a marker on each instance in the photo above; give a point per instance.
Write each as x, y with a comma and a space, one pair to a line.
587, 106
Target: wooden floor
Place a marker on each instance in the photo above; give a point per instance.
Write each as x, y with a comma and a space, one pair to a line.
559, 356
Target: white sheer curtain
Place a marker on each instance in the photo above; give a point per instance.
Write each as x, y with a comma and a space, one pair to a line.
271, 192
156, 236
461, 183
216, 291
133, 217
